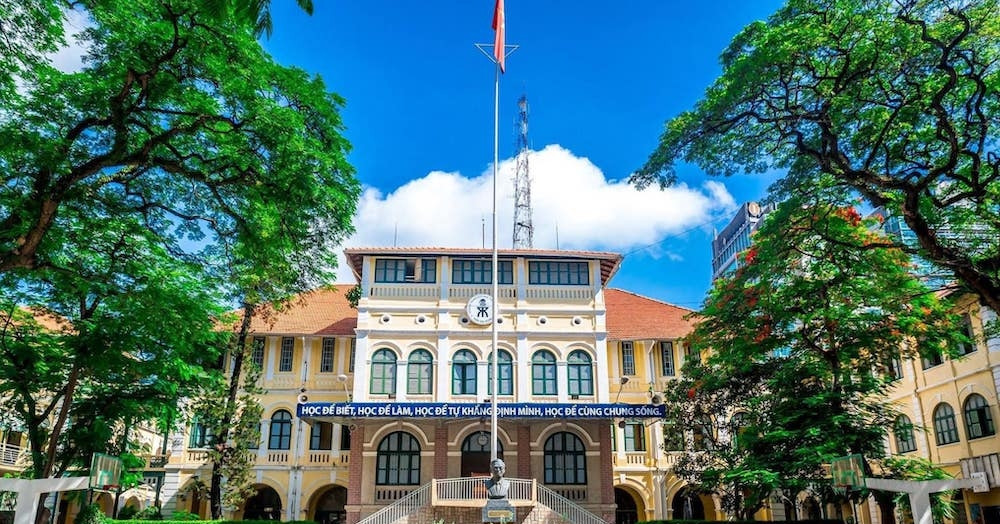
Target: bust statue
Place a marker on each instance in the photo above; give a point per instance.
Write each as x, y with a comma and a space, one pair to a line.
497, 486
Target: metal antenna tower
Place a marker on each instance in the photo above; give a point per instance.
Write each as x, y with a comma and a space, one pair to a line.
523, 230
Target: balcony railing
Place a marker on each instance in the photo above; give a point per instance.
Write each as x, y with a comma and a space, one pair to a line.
196, 455
405, 291
471, 491
11, 454
156, 461
326, 457
464, 291
630, 458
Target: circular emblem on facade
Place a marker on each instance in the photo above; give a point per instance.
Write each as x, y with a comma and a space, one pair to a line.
480, 309
753, 209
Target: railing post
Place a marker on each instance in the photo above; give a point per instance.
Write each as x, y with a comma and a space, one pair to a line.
434, 492
534, 491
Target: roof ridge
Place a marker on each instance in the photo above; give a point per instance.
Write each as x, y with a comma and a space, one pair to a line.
664, 302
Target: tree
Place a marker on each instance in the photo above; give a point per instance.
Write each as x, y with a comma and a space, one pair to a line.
801, 339
898, 100
223, 172
232, 429
255, 13
118, 334
181, 121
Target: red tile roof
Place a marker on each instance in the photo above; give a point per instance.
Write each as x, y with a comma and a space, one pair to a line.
326, 312
319, 312
609, 261
635, 317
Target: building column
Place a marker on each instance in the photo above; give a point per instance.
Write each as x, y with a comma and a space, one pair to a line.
442, 377
401, 379
265, 427
440, 451
354, 476
524, 451
562, 377
607, 468
482, 381
522, 359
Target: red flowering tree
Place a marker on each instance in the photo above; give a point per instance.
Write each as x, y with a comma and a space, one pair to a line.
800, 342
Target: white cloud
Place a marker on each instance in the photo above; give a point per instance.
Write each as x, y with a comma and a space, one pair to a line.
567, 192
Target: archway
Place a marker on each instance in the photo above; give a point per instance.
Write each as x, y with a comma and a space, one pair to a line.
329, 508
105, 501
476, 455
263, 505
687, 506
810, 509
627, 511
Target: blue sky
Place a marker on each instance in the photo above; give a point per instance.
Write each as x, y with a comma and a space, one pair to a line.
601, 79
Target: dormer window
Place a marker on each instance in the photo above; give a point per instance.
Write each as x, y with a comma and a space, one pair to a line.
554, 273
400, 270
481, 271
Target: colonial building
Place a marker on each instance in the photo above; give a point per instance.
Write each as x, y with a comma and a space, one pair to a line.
949, 412
370, 407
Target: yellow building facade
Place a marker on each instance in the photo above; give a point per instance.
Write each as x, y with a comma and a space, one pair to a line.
412, 343
949, 412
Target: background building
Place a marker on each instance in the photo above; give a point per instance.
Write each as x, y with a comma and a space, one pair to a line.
735, 237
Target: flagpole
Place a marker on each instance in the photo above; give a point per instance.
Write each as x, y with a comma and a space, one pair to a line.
494, 443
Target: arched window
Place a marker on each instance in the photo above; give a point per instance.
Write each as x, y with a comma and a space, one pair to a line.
737, 428
463, 373
383, 373
506, 371
978, 421
280, 436
945, 431
903, 430
543, 373
565, 459
201, 435
321, 436
419, 372
581, 373
398, 460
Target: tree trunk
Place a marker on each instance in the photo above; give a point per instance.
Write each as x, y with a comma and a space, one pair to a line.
215, 490
67, 401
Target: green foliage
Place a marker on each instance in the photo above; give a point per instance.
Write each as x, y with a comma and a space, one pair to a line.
800, 341
150, 513
682, 521
196, 520
127, 513
184, 516
916, 468
165, 178
91, 514
900, 101
354, 296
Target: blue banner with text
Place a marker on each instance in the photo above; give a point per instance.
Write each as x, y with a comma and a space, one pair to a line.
462, 410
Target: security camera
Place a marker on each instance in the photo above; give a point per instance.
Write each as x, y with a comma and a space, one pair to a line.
656, 400
341, 378
302, 390
621, 424
303, 398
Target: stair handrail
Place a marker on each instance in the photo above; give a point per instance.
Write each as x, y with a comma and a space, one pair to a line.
568, 509
403, 507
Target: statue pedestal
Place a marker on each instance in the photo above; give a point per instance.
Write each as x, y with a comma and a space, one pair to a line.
498, 510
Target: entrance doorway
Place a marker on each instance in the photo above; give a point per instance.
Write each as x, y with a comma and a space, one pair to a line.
264, 505
476, 455
628, 511
687, 506
330, 506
